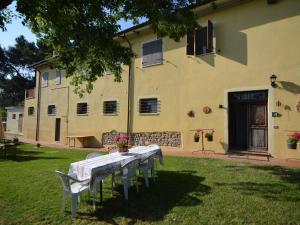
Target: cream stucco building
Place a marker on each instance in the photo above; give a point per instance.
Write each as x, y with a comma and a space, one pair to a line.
217, 78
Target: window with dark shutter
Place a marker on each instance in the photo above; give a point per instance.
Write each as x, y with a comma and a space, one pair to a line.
148, 105
82, 108
30, 111
201, 41
45, 78
58, 78
152, 53
109, 107
190, 43
14, 116
51, 109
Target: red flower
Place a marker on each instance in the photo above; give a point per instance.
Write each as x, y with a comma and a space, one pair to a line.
117, 138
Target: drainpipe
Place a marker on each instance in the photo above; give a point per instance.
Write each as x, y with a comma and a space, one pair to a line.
37, 134
130, 87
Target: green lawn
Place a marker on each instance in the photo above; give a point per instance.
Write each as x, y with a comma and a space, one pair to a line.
187, 191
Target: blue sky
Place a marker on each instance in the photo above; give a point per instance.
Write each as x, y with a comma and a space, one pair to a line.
15, 29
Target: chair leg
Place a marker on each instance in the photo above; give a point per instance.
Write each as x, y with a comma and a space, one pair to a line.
145, 174
136, 184
112, 183
125, 186
63, 203
74, 204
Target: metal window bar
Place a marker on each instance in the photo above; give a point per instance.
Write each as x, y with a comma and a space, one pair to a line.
109, 107
82, 108
149, 105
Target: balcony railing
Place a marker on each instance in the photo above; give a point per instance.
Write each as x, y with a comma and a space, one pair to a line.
29, 93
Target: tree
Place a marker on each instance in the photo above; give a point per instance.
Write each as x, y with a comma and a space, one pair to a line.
83, 32
15, 75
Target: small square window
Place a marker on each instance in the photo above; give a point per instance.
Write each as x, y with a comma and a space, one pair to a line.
149, 105
30, 111
14, 116
82, 108
51, 109
109, 107
20, 116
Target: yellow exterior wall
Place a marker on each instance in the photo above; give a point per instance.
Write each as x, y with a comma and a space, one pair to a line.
254, 40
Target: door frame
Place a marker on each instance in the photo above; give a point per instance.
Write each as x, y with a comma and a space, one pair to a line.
270, 109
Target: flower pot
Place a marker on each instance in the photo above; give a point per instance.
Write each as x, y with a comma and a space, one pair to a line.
210, 138
196, 139
123, 149
292, 145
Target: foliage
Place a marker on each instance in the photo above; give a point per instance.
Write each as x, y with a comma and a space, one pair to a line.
209, 133
85, 33
293, 138
186, 191
15, 75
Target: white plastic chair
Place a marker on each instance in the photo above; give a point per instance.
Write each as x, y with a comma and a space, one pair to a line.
92, 155
128, 176
73, 186
148, 164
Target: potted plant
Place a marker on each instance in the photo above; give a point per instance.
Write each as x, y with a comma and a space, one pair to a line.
210, 135
196, 137
122, 143
293, 140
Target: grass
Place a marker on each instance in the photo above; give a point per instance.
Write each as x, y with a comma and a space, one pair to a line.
187, 191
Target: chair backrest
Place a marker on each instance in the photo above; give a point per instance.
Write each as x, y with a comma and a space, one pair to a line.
92, 155
112, 150
148, 159
65, 180
129, 168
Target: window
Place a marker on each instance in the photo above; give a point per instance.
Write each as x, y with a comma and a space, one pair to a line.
58, 77
149, 105
14, 116
201, 41
30, 111
51, 109
82, 108
20, 116
152, 53
109, 107
45, 77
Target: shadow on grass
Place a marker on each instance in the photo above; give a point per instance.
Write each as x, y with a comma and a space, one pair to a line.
286, 191
20, 155
172, 188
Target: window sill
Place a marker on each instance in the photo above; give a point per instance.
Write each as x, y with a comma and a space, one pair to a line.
206, 54
149, 114
110, 114
157, 64
82, 114
51, 114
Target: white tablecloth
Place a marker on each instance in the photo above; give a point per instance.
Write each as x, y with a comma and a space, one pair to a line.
104, 165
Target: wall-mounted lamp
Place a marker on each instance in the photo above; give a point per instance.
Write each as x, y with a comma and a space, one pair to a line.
273, 80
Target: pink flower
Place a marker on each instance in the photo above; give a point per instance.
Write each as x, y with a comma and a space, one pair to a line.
296, 135
117, 138
126, 137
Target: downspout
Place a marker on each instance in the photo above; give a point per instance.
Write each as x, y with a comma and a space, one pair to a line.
37, 134
130, 86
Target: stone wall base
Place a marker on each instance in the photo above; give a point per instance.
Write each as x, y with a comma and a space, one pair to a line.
166, 138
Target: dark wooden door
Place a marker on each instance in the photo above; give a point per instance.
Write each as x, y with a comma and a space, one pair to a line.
57, 129
248, 120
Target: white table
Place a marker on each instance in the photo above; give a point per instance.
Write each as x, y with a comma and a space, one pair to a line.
102, 166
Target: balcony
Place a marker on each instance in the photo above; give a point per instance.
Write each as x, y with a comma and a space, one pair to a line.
29, 94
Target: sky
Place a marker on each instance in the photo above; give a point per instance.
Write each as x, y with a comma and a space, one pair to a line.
15, 29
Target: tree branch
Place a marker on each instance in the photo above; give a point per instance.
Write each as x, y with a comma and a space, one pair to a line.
5, 3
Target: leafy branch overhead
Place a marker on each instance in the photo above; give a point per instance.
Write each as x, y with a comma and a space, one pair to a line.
83, 32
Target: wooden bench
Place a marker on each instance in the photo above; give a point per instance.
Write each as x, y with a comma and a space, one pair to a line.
250, 153
83, 137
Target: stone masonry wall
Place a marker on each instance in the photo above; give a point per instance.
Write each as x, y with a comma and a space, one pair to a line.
167, 138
